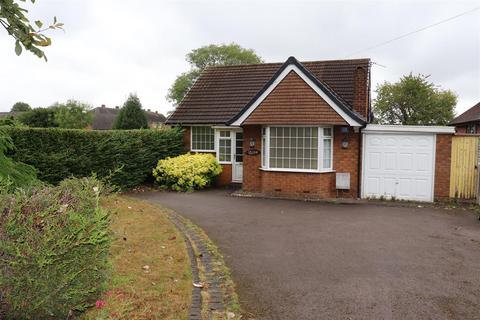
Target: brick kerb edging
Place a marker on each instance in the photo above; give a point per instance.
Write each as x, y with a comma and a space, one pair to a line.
202, 263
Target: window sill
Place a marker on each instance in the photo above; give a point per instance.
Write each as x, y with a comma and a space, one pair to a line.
297, 170
224, 162
209, 151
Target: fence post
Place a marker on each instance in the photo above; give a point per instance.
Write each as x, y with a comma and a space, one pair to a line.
478, 167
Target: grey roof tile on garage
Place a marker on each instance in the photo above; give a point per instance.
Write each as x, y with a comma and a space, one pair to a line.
222, 92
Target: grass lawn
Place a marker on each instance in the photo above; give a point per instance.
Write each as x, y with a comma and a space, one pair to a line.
151, 276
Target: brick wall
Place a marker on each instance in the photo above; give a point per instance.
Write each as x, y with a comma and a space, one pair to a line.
186, 138
321, 185
442, 166
346, 160
361, 96
252, 176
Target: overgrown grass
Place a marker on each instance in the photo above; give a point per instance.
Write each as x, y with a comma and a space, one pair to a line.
144, 236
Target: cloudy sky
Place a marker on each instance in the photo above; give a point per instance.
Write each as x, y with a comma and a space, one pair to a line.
114, 47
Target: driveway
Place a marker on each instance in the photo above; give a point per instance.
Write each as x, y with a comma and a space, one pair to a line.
307, 260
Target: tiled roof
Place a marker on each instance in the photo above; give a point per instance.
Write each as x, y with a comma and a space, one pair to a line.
104, 117
221, 93
472, 114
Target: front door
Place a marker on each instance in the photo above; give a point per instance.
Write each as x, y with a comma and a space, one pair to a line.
237, 164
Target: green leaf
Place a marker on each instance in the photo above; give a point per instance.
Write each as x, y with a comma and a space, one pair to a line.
18, 48
39, 24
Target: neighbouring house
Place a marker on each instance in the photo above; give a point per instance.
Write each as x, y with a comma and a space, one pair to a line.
469, 121
297, 128
104, 117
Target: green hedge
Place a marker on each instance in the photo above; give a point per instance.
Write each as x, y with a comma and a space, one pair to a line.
62, 153
54, 244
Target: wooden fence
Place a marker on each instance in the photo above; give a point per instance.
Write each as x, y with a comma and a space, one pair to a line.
464, 172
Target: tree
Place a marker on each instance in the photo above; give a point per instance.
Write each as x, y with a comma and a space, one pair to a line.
20, 107
14, 20
212, 55
72, 115
413, 101
131, 115
39, 118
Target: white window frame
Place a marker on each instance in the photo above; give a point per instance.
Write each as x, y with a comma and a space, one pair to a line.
217, 144
202, 150
232, 130
320, 169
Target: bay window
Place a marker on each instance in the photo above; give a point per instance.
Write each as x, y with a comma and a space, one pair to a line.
203, 138
297, 148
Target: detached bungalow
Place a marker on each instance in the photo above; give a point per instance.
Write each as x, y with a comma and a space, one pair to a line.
295, 128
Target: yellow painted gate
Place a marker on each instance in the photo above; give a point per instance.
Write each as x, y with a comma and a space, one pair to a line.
464, 172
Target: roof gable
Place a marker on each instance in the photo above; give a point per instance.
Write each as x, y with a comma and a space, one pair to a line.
222, 92
293, 101
328, 95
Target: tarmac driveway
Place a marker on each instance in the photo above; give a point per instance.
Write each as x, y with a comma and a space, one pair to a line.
307, 260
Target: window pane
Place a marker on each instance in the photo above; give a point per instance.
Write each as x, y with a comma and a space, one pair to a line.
225, 149
225, 133
327, 153
327, 132
203, 138
294, 147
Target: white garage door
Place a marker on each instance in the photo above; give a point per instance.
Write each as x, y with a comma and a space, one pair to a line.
399, 165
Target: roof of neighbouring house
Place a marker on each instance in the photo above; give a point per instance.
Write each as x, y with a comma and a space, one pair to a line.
221, 93
104, 117
472, 114
10, 113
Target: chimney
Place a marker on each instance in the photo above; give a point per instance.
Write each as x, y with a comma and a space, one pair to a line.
156, 111
361, 92
117, 107
148, 110
103, 106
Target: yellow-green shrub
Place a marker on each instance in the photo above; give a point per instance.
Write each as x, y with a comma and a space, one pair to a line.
187, 172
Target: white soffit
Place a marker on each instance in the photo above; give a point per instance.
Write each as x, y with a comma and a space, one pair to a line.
379, 128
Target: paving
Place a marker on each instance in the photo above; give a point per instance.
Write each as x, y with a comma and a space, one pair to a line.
199, 254
309, 260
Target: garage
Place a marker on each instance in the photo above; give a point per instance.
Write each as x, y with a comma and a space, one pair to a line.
399, 161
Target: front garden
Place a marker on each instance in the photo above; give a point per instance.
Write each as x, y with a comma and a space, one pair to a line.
71, 246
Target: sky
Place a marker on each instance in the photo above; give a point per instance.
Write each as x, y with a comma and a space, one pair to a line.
111, 48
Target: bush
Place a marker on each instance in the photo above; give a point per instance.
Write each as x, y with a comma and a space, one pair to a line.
38, 118
13, 174
187, 172
54, 244
62, 153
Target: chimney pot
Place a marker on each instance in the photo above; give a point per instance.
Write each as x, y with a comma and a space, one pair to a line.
117, 107
148, 110
103, 106
156, 111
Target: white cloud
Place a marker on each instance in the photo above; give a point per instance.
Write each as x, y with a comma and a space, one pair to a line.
111, 48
